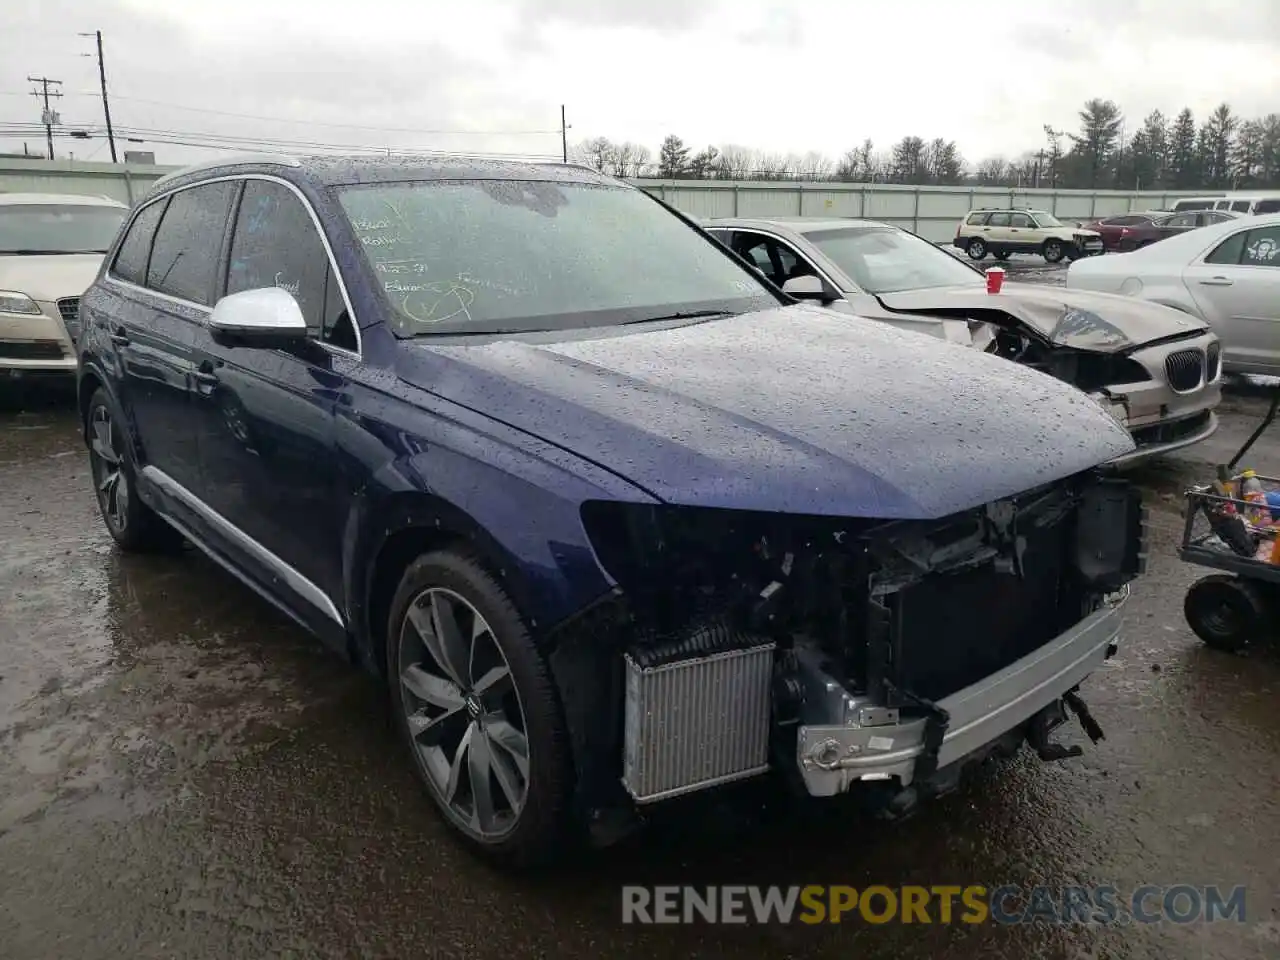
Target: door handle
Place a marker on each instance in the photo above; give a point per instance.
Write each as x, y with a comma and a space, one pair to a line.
119, 337
1215, 282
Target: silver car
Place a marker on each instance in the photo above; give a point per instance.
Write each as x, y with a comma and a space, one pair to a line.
1156, 370
1226, 275
51, 246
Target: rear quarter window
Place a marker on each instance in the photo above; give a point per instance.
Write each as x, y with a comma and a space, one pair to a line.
131, 259
977, 219
1267, 206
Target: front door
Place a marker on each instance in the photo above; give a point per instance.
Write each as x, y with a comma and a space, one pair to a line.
267, 422
1237, 287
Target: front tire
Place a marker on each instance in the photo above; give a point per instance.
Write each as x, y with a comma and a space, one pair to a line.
977, 248
474, 703
1227, 613
1054, 251
132, 524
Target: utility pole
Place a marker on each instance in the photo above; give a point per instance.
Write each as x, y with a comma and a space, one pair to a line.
564, 137
47, 117
102, 77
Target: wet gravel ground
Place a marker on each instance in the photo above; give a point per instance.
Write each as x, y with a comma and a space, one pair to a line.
185, 774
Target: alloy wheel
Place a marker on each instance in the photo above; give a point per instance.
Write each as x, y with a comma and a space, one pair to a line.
464, 714
107, 463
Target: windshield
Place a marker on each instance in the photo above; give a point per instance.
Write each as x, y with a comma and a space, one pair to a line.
501, 256
58, 228
1046, 219
889, 260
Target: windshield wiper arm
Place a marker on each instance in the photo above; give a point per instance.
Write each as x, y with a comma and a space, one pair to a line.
684, 315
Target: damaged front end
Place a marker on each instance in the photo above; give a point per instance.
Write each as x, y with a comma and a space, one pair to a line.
837, 651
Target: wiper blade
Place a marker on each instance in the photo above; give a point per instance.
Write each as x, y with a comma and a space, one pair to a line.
685, 315
43, 253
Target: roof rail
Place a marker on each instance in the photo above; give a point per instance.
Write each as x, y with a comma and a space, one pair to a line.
231, 160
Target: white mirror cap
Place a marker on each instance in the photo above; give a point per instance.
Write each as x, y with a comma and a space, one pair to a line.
264, 310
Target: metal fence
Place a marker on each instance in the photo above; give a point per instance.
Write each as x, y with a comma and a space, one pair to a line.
125, 182
932, 212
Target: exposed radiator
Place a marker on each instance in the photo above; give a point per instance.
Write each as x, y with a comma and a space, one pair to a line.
694, 723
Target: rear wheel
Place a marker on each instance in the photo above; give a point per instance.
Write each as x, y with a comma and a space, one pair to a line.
1001, 255
1227, 613
1054, 250
131, 523
977, 248
474, 702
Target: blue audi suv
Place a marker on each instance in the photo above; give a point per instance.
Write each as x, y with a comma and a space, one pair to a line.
613, 518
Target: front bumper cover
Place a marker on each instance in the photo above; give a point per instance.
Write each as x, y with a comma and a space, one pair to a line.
832, 758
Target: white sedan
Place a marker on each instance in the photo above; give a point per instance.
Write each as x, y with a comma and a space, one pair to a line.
1227, 274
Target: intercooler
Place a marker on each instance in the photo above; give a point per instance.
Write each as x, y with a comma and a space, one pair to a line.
695, 722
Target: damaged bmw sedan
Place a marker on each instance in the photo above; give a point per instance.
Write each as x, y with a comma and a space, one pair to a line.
545, 457
1155, 369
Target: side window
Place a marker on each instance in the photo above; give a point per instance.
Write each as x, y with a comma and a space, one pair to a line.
1021, 220
1267, 206
1262, 247
275, 244
1185, 220
1241, 206
135, 249
1229, 250
1222, 205
976, 219
184, 258
999, 220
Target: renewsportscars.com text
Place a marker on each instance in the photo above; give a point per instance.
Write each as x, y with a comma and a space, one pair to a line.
942, 904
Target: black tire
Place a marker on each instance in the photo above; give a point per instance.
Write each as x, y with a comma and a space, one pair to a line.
1227, 613
977, 249
1001, 255
1053, 250
530, 836
132, 524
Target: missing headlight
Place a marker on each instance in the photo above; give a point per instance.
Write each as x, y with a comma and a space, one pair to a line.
1110, 547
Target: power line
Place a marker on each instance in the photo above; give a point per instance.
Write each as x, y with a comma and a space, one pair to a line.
337, 126
47, 116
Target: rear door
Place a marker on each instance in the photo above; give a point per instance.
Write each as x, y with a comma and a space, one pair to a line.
1237, 286
267, 437
163, 280
997, 229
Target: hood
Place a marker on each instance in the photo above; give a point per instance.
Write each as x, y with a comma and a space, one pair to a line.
50, 277
794, 409
1083, 319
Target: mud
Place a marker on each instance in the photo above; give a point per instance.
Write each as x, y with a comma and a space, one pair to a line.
185, 774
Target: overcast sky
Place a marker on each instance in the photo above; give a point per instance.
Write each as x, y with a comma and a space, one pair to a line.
490, 75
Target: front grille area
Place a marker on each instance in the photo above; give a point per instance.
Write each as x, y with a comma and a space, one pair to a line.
1213, 361
69, 308
1171, 432
31, 350
693, 723
953, 629
1185, 370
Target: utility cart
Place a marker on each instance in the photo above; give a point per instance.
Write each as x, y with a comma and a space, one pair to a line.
1226, 531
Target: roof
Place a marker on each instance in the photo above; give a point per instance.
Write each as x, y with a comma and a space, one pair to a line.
795, 224
57, 199
333, 170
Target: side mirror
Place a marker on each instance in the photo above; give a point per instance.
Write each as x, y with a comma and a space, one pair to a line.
267, 316
807, 287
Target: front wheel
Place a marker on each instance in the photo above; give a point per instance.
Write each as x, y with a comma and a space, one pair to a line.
977, 248
1227, 613
1054, 251
474, 702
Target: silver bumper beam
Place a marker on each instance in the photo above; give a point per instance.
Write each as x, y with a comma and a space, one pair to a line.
832, 758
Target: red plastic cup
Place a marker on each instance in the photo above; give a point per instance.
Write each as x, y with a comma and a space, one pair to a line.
995, 279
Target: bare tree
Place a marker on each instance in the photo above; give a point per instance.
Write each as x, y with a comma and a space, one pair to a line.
640, 157
596, 153
993, 170
814, 166
734, 162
